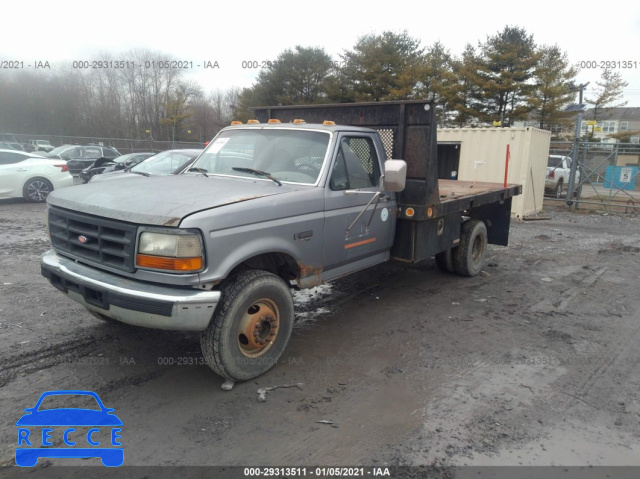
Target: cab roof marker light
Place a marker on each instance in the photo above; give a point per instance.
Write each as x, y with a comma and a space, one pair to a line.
235, 122
298, 121
273, 120
328, 122
252, 122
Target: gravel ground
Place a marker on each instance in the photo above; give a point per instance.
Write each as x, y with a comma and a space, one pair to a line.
532, 362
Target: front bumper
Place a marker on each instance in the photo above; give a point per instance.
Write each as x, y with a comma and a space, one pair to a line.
131, 302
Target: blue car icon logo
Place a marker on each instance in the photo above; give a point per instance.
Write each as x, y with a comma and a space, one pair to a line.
73, 427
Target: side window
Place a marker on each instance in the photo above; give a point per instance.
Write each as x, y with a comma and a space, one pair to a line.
108, 153
7, 158
356, 164
92, 152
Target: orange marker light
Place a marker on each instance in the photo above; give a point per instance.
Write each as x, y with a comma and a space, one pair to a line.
298, 121
429, 212
273, 120
170, 264
252, 122
236, 122
329, 122
409, 212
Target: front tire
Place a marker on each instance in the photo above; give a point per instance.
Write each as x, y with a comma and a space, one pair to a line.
36, 190
468, 257
251, 326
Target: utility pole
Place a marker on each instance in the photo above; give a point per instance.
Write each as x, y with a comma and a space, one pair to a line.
576, 140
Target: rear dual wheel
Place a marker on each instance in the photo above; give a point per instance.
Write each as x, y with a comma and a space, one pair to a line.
467, 258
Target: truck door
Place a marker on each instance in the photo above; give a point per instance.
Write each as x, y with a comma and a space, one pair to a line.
357, 166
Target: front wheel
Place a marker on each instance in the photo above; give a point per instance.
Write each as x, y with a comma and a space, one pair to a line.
468, 256
251, 326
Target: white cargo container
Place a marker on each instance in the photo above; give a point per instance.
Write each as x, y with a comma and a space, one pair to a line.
479, 154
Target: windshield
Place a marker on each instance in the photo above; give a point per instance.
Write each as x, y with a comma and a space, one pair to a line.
165, 163
60, 150
288, 155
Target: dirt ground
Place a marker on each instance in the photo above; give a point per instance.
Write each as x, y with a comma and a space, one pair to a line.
535, 361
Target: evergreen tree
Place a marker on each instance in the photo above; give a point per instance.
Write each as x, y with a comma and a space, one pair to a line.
507, 67
439, 80
554, 76
382, 67
296, 77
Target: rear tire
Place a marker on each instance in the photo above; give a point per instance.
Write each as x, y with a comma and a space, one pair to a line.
36, 190
250, 327
468, 257
444, 261
558, 190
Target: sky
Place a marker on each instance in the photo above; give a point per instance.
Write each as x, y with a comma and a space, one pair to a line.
249, 31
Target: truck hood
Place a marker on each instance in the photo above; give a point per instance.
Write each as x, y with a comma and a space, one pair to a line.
161, 200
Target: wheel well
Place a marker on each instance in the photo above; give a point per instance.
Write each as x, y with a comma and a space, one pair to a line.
36, 178
280, 264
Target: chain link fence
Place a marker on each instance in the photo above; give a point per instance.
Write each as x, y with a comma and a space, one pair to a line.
606, 175
123, 145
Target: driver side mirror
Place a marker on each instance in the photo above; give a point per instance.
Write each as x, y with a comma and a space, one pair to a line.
395, 175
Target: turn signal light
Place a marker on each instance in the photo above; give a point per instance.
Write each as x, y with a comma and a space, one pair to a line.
409, 212
171, 264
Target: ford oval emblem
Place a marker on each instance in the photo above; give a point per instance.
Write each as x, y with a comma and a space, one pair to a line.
83, 239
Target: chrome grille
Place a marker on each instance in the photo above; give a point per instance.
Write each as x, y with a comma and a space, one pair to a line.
92, 239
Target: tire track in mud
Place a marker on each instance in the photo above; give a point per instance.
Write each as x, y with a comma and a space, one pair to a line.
33, 361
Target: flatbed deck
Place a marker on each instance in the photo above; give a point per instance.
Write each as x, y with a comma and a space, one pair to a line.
456, 195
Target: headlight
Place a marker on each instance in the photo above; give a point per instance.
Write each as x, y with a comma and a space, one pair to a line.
171, 252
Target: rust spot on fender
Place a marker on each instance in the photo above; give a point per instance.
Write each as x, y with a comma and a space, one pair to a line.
309, 276
172, 222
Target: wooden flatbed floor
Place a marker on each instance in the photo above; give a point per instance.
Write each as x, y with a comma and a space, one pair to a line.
458, 195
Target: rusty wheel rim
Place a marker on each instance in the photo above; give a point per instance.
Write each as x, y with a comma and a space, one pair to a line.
477, 251
258, 328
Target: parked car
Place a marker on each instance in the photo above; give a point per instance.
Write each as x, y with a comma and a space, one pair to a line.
170, 162
28, 147
106, 165
80, 157
558, 171
17, 146
31, 176
41, 145
6, 146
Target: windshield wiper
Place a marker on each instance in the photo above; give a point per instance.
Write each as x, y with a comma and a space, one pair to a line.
139, 173
200, 170
257, 172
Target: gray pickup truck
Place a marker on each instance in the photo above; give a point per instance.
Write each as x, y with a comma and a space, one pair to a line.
269, 206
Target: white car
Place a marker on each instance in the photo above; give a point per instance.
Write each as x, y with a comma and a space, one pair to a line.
31, 176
